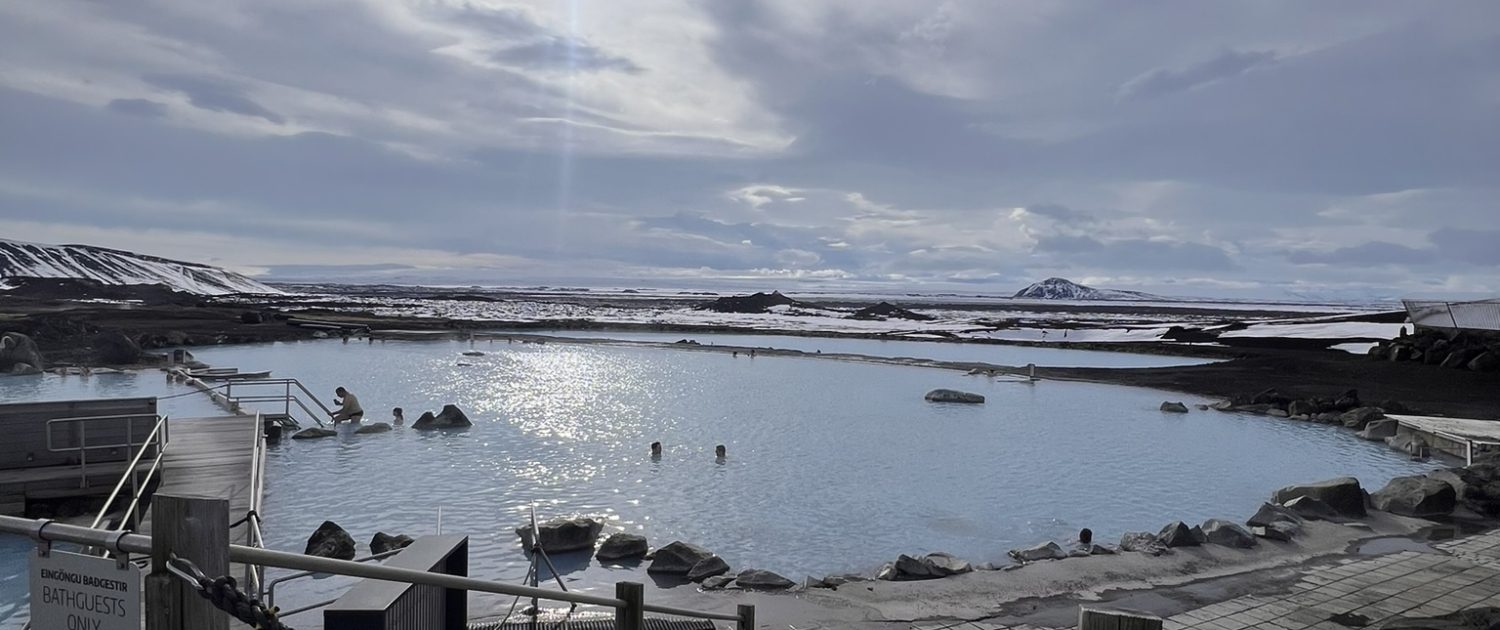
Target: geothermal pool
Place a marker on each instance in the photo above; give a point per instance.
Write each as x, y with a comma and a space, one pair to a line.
995, 354
833, 465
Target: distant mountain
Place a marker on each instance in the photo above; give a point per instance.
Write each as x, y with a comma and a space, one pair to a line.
1064, 289
115, 267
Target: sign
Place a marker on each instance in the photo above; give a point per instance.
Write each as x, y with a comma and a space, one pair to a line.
70, 591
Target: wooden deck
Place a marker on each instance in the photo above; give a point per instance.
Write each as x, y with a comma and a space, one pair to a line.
210, 457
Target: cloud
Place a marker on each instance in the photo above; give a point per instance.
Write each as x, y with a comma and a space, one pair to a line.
138, 107
757, 195
564, 54
213, 94
1163, 81
1476, 247
1136, 254
1372, 253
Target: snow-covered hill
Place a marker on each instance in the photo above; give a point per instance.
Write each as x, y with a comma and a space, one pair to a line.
1064, 289
112, 266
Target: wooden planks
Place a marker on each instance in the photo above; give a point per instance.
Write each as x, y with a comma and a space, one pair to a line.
210, 457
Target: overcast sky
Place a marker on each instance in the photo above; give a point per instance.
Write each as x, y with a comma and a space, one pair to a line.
1197, 148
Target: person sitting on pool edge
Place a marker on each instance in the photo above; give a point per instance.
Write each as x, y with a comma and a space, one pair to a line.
656, 450
349, 408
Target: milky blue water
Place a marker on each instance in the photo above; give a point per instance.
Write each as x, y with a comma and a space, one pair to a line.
996, 354
833, 465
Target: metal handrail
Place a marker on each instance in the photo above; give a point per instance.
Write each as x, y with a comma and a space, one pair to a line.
269, 594
124, 543
253, 537
84, 447
158, 428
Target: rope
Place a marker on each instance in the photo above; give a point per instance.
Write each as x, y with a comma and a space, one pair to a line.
225, 595
249, 514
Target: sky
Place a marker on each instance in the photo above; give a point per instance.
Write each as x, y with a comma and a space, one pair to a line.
1234, 149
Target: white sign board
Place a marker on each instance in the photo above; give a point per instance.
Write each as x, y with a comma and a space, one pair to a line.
76, 592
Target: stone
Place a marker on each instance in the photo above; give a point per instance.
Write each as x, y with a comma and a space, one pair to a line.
19, 355
1044, 551
1227, 534
451, 417
1096, 549
1478, 486
946, 564
1177, 534
313, 433
563, 534
330, 541
677, 558
1346, 401
1270, 397
1223, 405
715, 583
1327, 417
374, 427
1280, 531
707, 568
1270, 513
1485, 362
115, 348
382, 542
953, 396
762, 580
1358, 418
1457, 359
1418, 496
1174, 407
1301, 408
1142, 542
1279, 413
1342, 494
1380, 429
1312, 509
622, 546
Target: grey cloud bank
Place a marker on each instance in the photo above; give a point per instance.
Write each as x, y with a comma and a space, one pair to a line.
1241, 149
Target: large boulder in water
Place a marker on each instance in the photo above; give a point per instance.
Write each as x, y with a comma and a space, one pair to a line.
1270, 513
1045, 551
374, 427
953, 396
114, 348
1178, 534
762, 580
382, 542
1415, 496
563, 534
19, 355
1174, 407
677, 558
929, 567
707, 568
312, 433
451, 417
1342, 494
330, 541
1312, 509
1142, 542
1478, 486
1358, 418
622, 546
1227, 534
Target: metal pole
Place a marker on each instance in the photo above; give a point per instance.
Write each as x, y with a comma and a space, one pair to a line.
631, 616
83, 454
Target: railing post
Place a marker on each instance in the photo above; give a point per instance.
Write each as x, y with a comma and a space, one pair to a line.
747, 618
83, 454
197, 529
633, 615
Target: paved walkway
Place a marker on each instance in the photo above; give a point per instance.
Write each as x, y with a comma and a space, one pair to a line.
1357, 592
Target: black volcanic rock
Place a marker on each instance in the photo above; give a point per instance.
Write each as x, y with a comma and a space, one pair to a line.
886, 310
757, 303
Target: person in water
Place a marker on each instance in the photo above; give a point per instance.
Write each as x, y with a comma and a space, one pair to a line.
349, 408
396, 417
656, 450
720, 453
